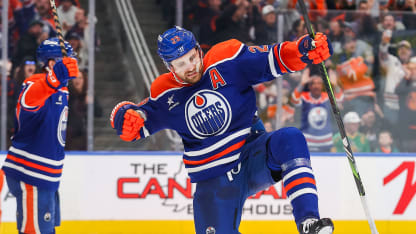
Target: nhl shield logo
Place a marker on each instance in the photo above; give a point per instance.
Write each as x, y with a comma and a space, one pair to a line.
210, 230
207, 113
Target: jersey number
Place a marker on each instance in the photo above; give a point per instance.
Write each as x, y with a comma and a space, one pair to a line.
254, 49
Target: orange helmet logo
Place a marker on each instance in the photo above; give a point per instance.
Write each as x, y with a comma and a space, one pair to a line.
175, 39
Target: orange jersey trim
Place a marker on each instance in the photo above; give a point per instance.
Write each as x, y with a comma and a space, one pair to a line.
216, 156
34, 165
277, 56
37, 92
221, 51
164, 83
30, 223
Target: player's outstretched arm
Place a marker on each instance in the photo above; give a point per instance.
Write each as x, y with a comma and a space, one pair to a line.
128, 120
37, 90
296, 55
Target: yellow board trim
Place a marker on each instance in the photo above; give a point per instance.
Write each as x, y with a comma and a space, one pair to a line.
181, 227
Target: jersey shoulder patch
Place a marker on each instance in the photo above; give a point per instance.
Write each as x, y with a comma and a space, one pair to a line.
222, 51
164, 83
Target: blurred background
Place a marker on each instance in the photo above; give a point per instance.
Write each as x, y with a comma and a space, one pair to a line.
373, 69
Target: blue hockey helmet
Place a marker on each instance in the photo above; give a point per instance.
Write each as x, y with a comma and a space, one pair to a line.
51, 49
175, 43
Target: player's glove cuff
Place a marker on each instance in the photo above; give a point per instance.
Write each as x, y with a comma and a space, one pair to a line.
127, 119
62, 71
297, 54
117, 115
52, 81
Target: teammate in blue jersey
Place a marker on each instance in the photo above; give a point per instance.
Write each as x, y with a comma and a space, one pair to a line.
210, 102
34, 162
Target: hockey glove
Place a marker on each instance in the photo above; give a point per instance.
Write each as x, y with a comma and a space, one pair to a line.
298, 54
127, 121
63, 71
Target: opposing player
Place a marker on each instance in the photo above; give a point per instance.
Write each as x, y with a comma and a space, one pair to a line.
210, 102
34, 162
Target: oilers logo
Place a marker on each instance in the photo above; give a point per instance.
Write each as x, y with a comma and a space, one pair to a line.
207, 113
210, 230
318, 117
63, 119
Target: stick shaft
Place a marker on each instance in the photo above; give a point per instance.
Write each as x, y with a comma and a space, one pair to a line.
340, 123
58, 28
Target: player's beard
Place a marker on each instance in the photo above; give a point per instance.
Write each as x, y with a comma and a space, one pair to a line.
195, 75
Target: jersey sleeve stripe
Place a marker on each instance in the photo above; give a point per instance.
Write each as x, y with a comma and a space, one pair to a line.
218, 144
272, 64
230, 149
214, 164
277, 54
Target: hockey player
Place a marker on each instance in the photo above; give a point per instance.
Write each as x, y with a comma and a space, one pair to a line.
210, 102
34, 162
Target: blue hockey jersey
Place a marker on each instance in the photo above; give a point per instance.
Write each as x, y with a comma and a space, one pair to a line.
215, 115
37, 151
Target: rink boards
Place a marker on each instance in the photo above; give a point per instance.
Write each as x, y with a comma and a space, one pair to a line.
149, 192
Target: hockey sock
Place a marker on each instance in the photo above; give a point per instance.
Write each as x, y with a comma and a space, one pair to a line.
300, 187
288, 152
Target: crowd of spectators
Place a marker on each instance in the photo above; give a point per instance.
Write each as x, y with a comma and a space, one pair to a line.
30, 22
372, 70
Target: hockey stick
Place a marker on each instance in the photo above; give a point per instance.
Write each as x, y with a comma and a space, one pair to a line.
58, 28
340, 123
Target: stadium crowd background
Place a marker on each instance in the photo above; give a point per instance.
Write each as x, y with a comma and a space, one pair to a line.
373, 69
